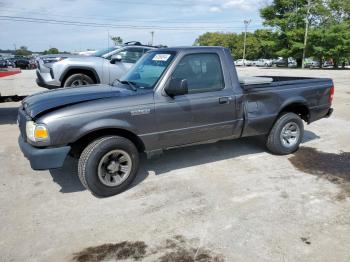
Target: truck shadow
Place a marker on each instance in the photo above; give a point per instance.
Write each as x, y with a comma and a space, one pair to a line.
205, 153
8, 115
309, 136
198, 155
67, 176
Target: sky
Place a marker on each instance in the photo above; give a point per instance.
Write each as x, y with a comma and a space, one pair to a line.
174, 22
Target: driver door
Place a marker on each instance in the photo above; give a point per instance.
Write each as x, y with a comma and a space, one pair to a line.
207, 112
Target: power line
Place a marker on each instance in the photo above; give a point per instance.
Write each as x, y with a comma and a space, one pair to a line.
153, 4
174, 21
90, 24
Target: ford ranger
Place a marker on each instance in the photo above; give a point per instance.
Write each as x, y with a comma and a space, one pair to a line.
172, 97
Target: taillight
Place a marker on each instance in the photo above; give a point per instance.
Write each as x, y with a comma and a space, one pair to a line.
331, 95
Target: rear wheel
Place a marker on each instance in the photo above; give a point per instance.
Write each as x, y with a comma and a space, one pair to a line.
286, 134
78, 80
108, 165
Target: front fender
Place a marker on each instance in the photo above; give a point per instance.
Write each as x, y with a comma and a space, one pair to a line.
102, 124
66, 70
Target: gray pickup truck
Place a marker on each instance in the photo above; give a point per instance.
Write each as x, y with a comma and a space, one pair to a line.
172, 97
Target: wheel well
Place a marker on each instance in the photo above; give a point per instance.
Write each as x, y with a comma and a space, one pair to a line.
299, 109
73, 71
79, 145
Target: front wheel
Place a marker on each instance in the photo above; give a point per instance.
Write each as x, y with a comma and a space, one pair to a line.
108, 165
78, 80
286, 134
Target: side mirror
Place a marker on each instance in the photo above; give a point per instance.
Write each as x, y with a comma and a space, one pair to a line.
116, 58
176, 87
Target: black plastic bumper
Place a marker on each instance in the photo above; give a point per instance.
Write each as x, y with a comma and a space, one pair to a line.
329, 113
40, 82
43, 158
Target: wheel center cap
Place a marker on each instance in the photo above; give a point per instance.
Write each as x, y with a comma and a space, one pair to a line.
113, 167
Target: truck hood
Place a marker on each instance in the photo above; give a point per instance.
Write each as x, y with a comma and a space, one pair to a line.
48, 100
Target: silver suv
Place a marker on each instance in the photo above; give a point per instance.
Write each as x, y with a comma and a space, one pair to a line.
102, 67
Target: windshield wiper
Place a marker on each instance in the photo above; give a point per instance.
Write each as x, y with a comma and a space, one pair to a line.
129, 83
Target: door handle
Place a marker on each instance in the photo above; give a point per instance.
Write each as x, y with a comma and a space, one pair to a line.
224, 100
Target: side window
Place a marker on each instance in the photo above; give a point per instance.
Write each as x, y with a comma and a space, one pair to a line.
131, 55
203, 72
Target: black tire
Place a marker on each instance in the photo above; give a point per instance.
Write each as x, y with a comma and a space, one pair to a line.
90, 160
274, 141
82, 78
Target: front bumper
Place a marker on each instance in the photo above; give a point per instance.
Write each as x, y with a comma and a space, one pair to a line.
43, 158
45, 80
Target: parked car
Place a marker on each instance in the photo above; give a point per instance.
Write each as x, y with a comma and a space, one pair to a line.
243, 62
22, 62
10, 63
3, 63
310, 63
172, 97
32, 63
328, 64
283, 62
103, 67
263, 62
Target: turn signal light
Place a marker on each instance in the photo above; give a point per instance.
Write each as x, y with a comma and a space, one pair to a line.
40, 132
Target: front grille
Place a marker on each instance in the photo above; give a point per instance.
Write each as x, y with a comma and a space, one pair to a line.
22, 120
51, 73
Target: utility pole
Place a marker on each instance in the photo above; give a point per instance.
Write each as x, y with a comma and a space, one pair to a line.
108, 38
306, 32
152, 39
246, 24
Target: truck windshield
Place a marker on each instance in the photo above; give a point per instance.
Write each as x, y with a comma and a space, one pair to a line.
146, 72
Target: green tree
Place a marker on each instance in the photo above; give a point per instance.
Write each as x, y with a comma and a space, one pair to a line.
23, 50
234, 42
328, 27
52, 50
287, 18
117, 40
330, 38
331, 42
267, 42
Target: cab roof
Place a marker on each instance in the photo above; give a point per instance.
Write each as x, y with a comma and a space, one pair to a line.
189, 48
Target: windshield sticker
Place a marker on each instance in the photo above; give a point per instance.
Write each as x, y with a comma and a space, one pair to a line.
161, 57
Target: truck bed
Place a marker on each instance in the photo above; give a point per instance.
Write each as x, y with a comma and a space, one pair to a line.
263, 102
278, 81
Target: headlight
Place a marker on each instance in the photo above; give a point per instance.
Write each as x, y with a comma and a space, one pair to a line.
36, 132
53, 59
